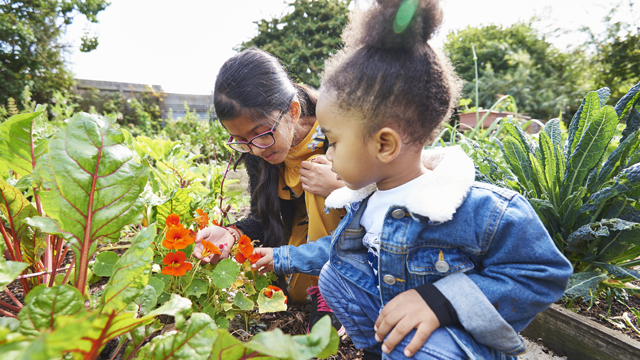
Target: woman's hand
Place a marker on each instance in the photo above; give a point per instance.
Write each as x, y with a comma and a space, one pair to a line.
317, 178
219, 237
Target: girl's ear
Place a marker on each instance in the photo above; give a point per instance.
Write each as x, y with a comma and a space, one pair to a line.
388, 144
294, 109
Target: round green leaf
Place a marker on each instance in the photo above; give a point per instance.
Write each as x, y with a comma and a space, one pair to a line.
262, 282
105, 263
157, 284
148, 300
225, 273
197, 287
242, 302
273, 304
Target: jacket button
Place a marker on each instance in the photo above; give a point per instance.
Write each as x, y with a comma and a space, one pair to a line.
397, 213
389, 279
442, 266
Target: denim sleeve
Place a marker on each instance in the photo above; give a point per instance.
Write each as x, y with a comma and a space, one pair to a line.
521, 274
307, 258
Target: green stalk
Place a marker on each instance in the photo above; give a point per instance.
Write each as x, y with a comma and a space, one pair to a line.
475, 61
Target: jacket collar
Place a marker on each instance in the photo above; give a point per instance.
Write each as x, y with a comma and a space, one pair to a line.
442, 191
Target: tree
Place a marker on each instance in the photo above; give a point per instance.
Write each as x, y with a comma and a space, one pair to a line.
617, 52
304, 38
517, 61
31, 50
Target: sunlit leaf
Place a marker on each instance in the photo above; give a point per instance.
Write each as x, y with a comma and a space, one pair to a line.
43, 304
105, 263
277, 302
225, 273
22, 141
16, 209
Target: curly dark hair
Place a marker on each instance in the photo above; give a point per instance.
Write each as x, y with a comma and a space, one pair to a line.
388, 72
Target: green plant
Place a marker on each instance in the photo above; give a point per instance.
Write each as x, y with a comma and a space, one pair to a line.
588, 203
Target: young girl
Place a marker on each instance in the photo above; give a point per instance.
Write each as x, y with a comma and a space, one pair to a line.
426, 263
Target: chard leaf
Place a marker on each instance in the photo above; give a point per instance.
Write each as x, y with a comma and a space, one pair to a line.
90, 184
140, 335
22, 141
131, 273
195, 341
155, 148
581, 285
16, 209
43, 305
179, 203
9, 271
588, 152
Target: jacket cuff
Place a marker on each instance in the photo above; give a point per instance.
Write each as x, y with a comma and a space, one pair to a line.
281, 264
478, 316
445, 312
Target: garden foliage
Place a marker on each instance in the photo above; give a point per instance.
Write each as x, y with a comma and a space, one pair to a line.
586, 197
95, 189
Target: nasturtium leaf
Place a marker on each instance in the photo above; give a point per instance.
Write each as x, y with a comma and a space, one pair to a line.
222, 322
197, 287
227, 307
209, 310
273, 304
164, 297
22, 141
157, 284
105, 263
43, 305
261, 282
148, 300
225, 273
89, 184
249, 289
242, 302
131, 273
195, 341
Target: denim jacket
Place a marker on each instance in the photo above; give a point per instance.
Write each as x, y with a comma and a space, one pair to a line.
482, 246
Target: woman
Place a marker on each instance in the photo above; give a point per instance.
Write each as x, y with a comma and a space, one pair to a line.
272, 122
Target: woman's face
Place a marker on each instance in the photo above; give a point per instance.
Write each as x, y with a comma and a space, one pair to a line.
244, 129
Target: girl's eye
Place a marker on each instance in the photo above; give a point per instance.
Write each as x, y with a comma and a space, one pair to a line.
332, 144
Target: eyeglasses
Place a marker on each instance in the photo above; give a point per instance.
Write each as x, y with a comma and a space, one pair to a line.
263, 141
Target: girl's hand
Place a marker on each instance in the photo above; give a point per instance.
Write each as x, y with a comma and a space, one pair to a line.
403, 313
219, 237
265, 264
317, 178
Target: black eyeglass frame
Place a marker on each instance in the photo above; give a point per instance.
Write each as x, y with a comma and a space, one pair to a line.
250, 142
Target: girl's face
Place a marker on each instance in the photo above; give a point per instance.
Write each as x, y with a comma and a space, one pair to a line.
245, 128
351, 152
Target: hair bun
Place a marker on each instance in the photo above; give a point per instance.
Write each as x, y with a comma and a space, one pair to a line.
394, 24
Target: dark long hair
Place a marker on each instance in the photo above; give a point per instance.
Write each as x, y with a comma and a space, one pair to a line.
253, 84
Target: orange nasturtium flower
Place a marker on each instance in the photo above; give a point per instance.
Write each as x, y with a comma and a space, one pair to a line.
202, 220
269, 292
173, 220
245, 249
175, 264
254, 257
178, 237
209, 249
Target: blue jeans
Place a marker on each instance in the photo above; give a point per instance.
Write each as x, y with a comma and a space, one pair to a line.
358, 310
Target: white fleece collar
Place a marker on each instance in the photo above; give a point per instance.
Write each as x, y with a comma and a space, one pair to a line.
441, 192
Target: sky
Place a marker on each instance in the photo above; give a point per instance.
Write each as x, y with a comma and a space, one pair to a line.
181, 45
